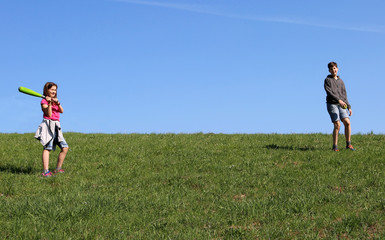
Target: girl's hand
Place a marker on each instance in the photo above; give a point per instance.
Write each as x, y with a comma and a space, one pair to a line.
350, 112
55, 100
49, 99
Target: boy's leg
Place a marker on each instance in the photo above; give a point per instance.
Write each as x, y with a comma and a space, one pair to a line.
336, 130
348, 133
45, 158
334, 112
348, 129
61, 157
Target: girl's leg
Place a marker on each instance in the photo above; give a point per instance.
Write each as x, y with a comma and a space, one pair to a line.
61, 157
46, 159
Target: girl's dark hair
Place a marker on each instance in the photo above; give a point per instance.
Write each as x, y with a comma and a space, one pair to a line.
332, 64
47, 86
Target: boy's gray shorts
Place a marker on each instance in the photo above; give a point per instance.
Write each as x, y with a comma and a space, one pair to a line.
336, 112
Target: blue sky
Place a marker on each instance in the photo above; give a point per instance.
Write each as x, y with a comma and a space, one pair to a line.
187, 66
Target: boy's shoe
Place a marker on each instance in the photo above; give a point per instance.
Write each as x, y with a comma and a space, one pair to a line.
47, 174
350, 147
336, 150
59, 171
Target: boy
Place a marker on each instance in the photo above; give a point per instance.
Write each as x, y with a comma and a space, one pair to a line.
338, 105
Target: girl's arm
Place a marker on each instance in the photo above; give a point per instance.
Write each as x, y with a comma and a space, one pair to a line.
58, 103
60, 108
47, 109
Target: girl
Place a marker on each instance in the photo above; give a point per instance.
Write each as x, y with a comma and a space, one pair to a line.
49, 132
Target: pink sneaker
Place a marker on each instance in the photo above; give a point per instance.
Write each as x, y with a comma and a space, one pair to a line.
47, 174
59, 171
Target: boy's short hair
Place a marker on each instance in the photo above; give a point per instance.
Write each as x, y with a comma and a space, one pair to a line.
332, 64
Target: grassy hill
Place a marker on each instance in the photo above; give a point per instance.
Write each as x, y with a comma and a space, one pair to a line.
194, 186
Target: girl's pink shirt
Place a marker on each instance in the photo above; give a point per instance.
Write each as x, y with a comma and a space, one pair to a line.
55, 111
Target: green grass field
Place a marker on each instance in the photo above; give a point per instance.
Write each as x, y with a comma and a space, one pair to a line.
194, 186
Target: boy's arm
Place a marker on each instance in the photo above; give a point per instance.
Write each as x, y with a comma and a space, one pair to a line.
345, 95
329, 89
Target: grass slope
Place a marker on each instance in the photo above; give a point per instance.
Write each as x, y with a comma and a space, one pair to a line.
194, 186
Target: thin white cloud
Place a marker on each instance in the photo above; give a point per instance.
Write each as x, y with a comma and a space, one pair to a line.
204, 10
186, 7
